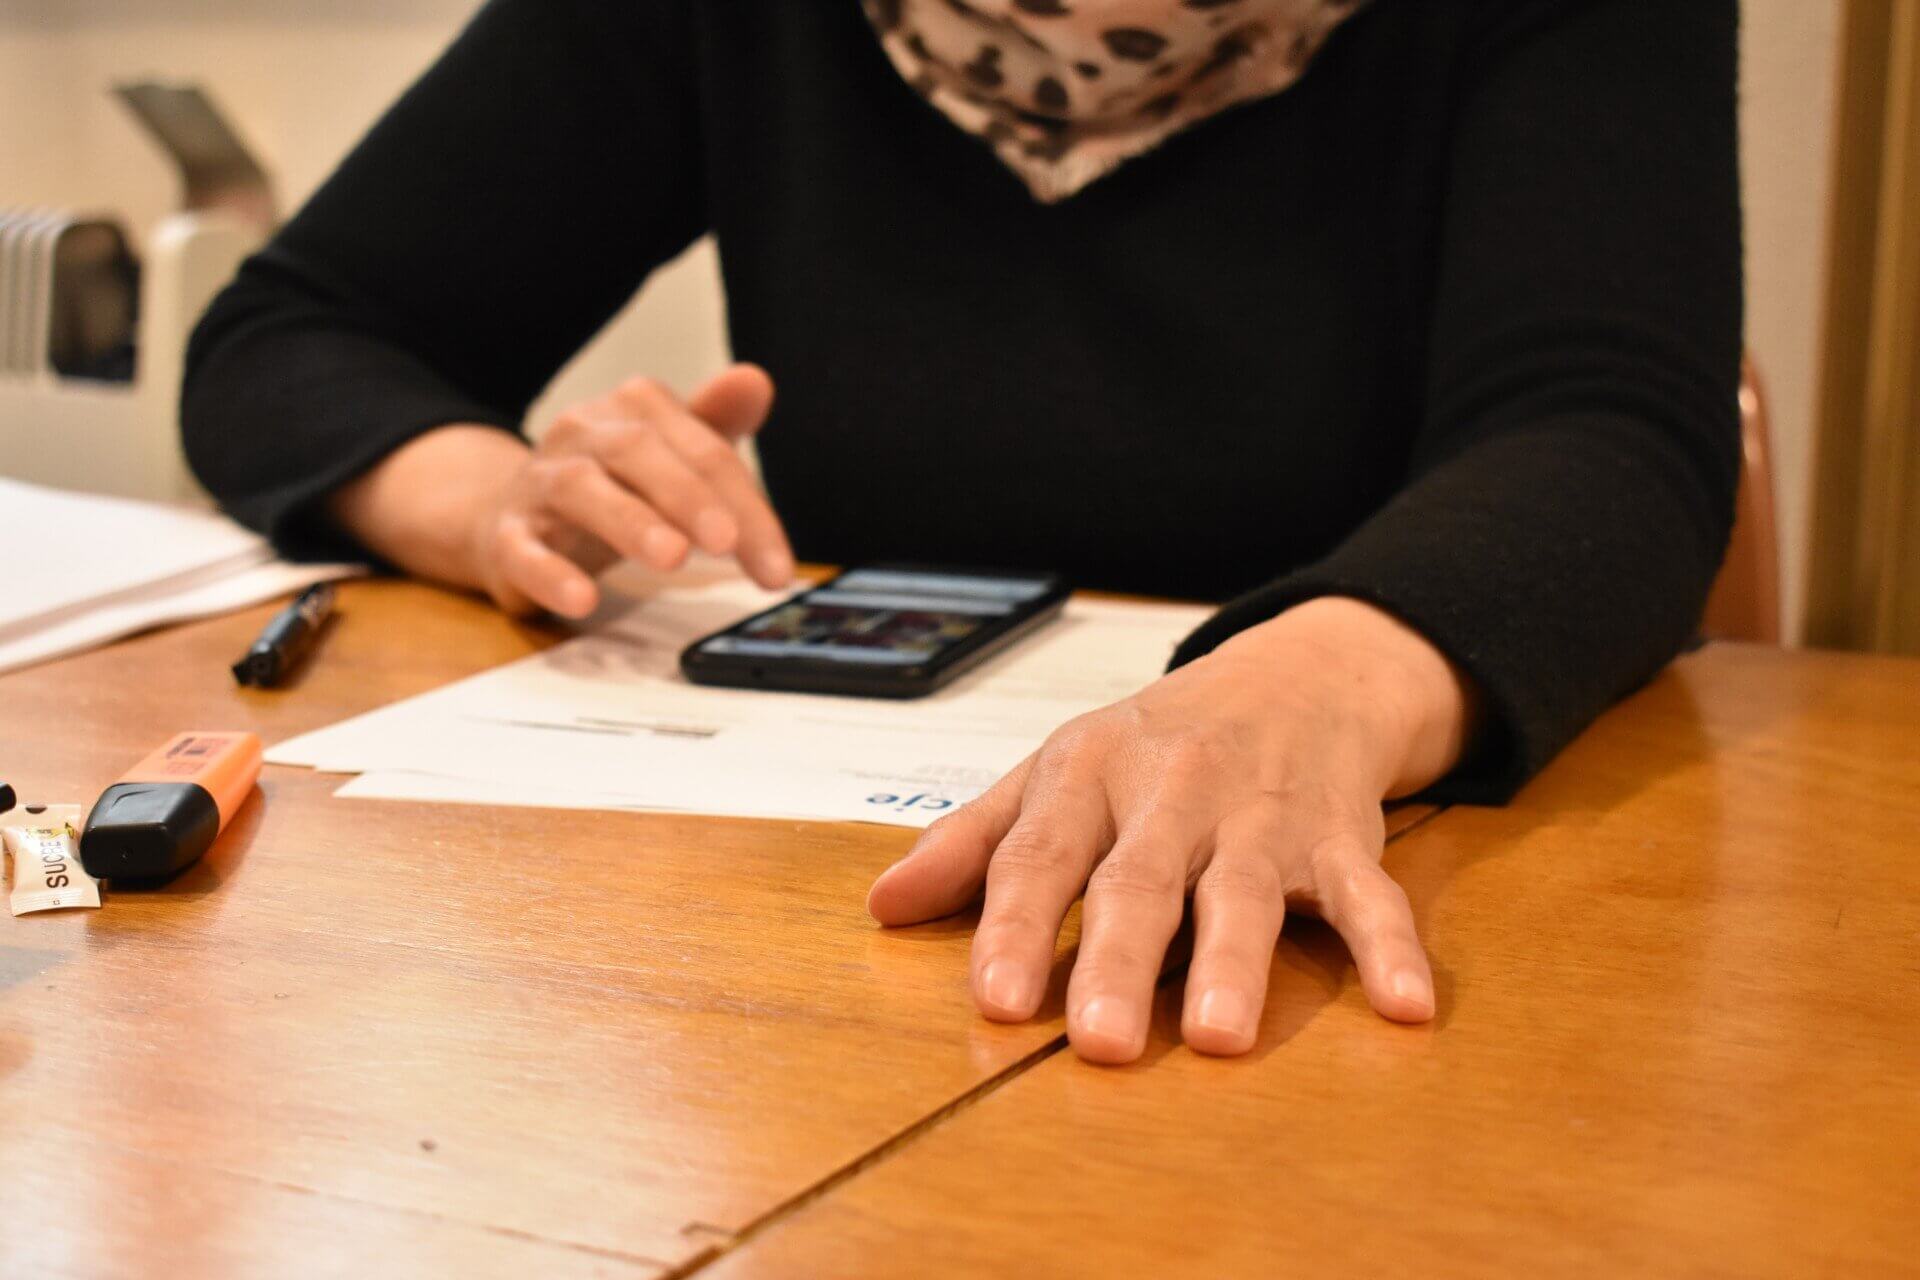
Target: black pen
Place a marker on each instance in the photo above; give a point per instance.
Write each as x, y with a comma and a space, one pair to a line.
286, 640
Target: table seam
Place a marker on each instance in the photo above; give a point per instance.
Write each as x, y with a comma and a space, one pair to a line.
859, 1164
881, 1152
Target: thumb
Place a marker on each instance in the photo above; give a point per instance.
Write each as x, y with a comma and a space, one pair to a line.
735, 402
944, 870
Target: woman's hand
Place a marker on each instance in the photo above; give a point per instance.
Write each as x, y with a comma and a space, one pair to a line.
1250, 779
636, 474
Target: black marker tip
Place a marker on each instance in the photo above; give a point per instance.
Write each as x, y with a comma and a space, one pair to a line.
256, 671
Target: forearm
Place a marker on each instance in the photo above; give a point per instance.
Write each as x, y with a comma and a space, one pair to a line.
419, 507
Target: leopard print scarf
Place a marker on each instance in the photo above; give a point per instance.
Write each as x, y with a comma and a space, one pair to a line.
1065, 91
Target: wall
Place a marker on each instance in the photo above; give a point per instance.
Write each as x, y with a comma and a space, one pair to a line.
1789, 58
305, 79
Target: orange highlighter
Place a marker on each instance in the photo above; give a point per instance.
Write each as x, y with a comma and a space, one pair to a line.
171, 807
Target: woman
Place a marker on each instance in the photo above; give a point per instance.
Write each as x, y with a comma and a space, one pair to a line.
1413, 327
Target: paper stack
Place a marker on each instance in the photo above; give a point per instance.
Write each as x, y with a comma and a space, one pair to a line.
606, 721
85, 570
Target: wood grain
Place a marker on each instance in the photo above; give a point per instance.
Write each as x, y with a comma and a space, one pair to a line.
1679, 1035
391, 1039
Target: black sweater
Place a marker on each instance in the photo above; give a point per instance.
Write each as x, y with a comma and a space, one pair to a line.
1452, 326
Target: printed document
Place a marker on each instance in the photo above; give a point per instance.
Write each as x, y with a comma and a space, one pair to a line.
606, 721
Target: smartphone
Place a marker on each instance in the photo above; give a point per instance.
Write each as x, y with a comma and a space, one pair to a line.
883, 631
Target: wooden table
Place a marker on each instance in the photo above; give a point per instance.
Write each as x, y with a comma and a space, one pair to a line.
1678, 1027
1679, 1034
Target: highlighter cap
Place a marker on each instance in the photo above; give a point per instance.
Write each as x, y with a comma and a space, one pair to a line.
171, 807
148, 830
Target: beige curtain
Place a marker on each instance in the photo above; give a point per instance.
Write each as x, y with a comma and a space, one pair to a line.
1864, 591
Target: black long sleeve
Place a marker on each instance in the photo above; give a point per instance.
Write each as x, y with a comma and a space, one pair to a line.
1578, 453
502, 212
1452, 326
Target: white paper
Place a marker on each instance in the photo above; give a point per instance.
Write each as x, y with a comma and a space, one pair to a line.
607, 721
85, 570
133, 613
401, 785
68, 549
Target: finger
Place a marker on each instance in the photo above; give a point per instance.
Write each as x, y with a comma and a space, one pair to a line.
1133, 906
735, 402
1239, 905
1372, 914
944, 870
761, 546
1036, 872
647, 463
540, 573
579, 492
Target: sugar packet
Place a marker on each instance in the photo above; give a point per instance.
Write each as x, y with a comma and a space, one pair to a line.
44, 844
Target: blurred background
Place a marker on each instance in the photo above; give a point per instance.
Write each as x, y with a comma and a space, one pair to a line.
300, 82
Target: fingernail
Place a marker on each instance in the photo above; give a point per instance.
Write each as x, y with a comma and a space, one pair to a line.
715, 531
1110, 1019
661, 545
1224, 1009
776, 567
1009, 987
1409, 985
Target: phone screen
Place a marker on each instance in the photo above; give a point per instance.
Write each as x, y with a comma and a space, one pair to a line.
881, 618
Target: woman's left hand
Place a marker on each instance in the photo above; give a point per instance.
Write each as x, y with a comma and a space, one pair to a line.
1250, 779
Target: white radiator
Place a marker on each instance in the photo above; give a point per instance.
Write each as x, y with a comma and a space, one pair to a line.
125, 438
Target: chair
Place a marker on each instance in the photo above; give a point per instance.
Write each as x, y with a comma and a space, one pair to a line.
1745, 601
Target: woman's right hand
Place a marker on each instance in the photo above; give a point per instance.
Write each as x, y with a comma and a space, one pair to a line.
636, 474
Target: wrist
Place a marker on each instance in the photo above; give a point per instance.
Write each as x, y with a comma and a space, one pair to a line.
1411, 707
422, 506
